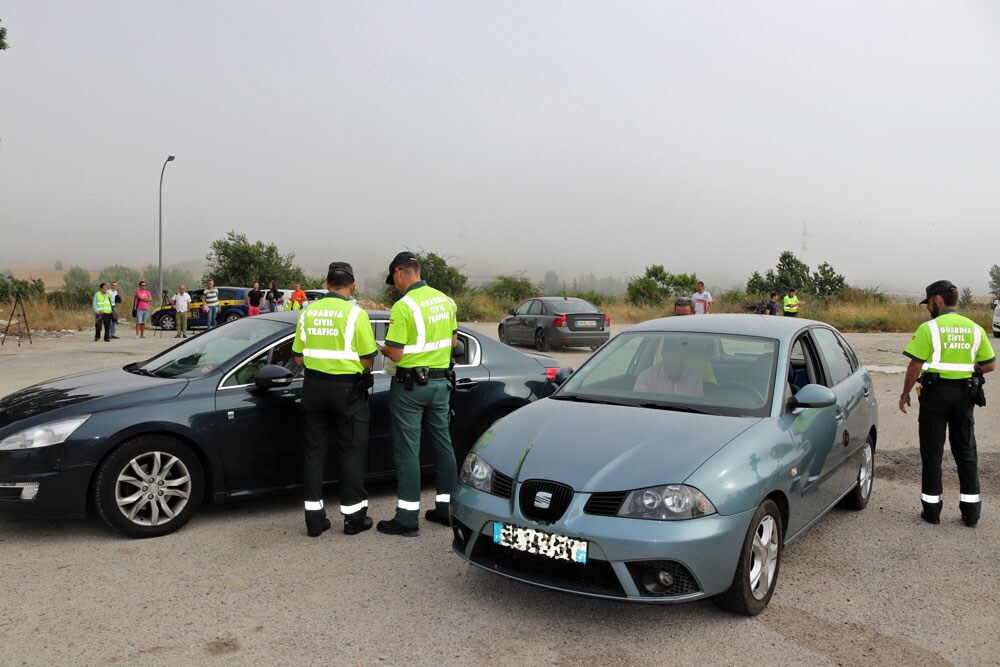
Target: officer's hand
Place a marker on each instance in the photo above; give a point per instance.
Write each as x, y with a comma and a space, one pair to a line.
904, 402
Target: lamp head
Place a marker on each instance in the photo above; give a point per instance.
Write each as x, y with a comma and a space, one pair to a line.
170, 158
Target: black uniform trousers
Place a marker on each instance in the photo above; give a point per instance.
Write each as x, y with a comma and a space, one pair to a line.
945, 405
333, 418
102, 320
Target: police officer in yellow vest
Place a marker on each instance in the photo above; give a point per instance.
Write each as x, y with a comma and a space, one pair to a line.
102, 313
422, 332
791, 303
952, 352
335, 341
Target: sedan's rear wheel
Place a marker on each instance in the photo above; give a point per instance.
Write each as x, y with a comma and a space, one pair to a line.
149, 487
858, 498
760, 561
541, 342
168, 321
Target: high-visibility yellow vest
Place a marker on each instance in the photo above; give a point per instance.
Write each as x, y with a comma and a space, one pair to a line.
103, 302
423, 321
950, 345
332, 335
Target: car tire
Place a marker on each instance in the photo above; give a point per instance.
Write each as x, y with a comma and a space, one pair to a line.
231, 317
758, 566
167, 321
541, 342
123, 498
502, 335
595, 348
859, 496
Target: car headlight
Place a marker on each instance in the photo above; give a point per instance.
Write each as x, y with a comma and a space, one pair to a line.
670, 502
476, 473
43, 435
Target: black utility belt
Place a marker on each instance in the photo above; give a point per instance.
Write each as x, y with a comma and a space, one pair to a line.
934, 378
348, 378
420, 371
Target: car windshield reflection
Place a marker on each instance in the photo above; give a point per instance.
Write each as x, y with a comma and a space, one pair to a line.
690, 372
208, 351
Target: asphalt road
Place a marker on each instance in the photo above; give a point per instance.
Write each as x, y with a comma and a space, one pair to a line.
242, 584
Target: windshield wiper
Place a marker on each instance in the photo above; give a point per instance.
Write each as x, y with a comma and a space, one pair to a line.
671, 406
142, 371
581, 399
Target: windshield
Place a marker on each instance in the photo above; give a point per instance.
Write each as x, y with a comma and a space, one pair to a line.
203, 354
698, 372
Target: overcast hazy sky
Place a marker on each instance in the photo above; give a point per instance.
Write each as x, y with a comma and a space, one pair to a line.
582, 137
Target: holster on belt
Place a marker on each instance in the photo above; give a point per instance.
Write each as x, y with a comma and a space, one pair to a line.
975, 389
927, 380
360, 390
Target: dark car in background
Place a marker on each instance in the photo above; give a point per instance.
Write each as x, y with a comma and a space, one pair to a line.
232, 306
217, 417
555, 321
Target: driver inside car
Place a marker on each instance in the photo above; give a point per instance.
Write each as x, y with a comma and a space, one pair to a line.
674, 374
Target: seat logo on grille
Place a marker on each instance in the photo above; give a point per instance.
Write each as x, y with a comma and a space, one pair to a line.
543, 499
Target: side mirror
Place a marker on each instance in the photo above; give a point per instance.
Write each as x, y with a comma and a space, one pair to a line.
510, 311
272, 376
562, 374
813, 396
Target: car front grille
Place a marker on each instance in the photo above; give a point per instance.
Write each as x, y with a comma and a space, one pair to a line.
605, 504
596, 577
544, 500
503, 485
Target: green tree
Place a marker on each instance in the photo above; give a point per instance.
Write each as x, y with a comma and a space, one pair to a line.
995, 280
32, 288
3, 38
436, 271
127, 278
511, 288
793, 272
657, 285
78, 278
966, 298
551, 284
235, 261
826, 282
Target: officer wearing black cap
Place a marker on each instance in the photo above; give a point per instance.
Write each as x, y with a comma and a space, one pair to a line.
421, 335
948, 355
334, 339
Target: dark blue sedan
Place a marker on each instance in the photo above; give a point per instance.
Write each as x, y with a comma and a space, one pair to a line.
215, 418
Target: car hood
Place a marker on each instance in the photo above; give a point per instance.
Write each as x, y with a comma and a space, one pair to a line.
606, 447
100, 390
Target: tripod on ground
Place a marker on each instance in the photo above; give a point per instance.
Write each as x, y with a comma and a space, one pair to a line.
17, 313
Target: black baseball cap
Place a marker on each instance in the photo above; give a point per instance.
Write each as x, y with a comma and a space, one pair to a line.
402, 257
341, 266
938, 287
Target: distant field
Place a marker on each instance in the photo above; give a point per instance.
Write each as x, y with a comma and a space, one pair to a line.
52, 278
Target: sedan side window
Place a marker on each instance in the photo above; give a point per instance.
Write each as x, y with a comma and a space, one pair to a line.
803, 367
836, 358
523, 308
536, 308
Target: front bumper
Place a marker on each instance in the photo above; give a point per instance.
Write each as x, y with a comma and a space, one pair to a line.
700, 555
33, 485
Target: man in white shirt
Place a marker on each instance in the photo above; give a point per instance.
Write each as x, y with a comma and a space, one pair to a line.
673, 375
181, 301
115, 300
702, 300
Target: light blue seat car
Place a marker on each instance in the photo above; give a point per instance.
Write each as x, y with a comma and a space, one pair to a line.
675, 464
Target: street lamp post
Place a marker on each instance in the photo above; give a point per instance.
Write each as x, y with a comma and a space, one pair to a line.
170, 158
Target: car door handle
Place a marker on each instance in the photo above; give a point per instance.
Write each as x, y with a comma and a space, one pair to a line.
867, 390
838, 416
465, 384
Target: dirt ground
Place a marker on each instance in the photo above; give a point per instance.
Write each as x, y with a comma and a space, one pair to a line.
241, 584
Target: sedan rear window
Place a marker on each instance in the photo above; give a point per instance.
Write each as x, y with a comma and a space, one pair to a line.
571, 305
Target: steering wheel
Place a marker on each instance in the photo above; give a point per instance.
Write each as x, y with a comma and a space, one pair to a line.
746, 390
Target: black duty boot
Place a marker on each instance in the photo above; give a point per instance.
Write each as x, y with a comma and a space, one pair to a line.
931, 512
316, 523
440, 514
354, 525
392, 527
970, 519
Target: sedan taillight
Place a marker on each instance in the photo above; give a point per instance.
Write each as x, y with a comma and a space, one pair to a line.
550, 373
559, 321
607, 320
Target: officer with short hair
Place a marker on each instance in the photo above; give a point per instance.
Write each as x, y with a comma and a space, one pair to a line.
421, 335
953, 352
334, 339
791, 303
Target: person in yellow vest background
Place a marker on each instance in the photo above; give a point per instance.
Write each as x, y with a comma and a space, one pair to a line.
948, 355
792, 303
102, 313
335, 342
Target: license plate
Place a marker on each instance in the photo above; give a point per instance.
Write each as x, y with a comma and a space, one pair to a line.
586, 323
534, 541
